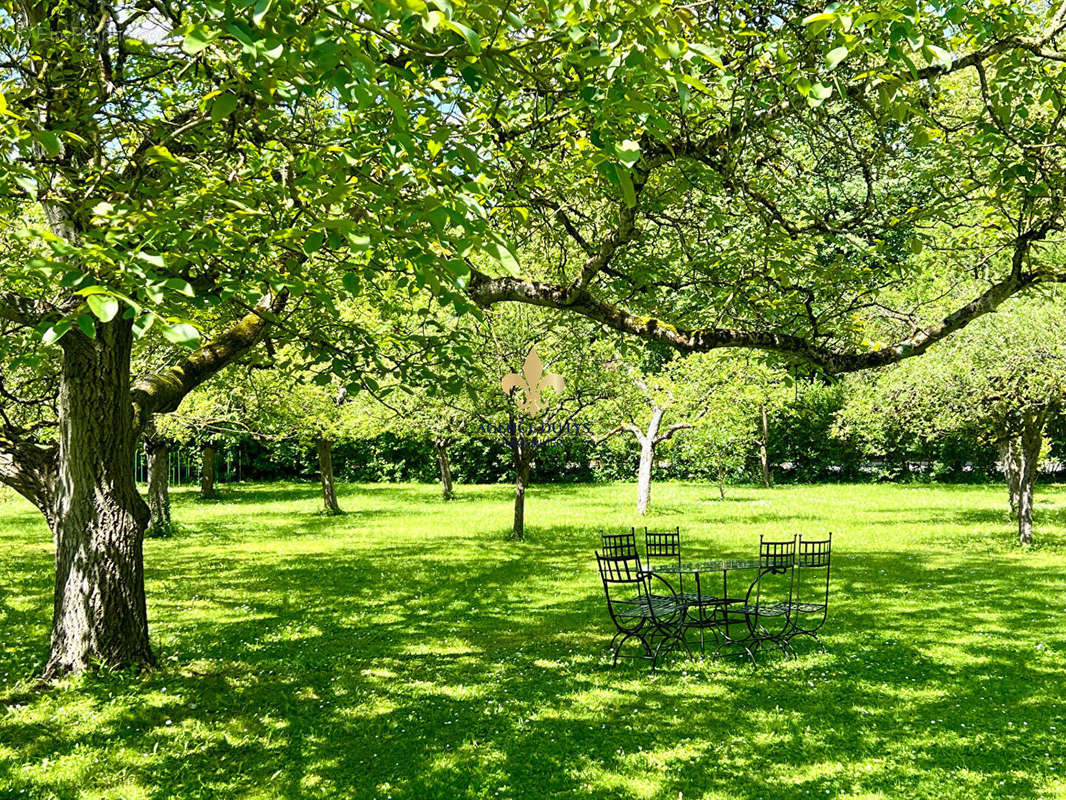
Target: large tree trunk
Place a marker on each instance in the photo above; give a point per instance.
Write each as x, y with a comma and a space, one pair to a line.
1030, 443
441, 446
764, 446
647, 459
325, 469
158, 487
207, 470
98, 519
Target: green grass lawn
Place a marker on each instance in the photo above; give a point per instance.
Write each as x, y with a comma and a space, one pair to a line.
407, 650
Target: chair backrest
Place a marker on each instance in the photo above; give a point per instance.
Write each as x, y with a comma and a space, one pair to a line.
622, 545
662, 544
812, 557
814, 553
662, 548
777, 561
777, 557
621, 575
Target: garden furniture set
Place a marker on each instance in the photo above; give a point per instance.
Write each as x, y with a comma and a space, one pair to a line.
660, 601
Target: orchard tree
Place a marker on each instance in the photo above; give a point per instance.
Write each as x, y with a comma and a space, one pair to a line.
536, 378
1000, 380
773, 185
311, 409
652, 405
158, 159
422, 412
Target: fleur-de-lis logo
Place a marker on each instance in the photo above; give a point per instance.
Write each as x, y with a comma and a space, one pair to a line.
532, 381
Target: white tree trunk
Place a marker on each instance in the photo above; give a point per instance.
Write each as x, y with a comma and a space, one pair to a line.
647, 460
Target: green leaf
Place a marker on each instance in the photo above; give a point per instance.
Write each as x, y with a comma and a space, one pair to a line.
152, 258
940, 55
182, 333
313, 243
836, 55
197, 39
503, 254
467, 33
629, 192
179, 285
158, 154
821, 91
142, 324
628, 152
50, 142
351, 282
825, 16
222, 106
27, 184
86, 325
712, 54
262, 8
54, 333
103, 306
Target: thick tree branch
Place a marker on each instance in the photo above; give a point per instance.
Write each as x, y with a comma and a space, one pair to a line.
27, 311
488, 291
29, 468
165, 390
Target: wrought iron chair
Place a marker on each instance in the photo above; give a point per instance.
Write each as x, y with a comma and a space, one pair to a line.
769, 598
809, 606
655, 621
618, 544
663, 549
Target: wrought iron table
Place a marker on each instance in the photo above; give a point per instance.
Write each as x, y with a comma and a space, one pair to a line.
712, 611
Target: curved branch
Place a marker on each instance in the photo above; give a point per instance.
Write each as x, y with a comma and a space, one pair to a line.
165, 390
486, 291
31, 469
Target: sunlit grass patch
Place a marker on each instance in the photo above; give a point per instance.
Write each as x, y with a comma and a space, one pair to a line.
408, 650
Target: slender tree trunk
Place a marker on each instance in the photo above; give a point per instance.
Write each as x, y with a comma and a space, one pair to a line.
1030, 443
98, 520
764, 446
647, 459
325, 469
207, 470
521, 482
441, 446
721, 485
158, 488
1010, 456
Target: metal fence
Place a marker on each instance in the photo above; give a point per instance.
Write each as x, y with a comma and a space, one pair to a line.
183, 466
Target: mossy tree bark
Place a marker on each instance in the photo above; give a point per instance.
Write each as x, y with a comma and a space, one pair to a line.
440, 444
208, 470
325, 470
158, 487
98, 519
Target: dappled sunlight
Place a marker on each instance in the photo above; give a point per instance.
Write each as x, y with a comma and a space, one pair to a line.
407, 649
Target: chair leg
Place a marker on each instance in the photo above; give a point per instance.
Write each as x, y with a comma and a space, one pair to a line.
812, 635
648, 653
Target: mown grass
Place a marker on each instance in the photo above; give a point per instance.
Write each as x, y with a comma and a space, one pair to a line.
407, 650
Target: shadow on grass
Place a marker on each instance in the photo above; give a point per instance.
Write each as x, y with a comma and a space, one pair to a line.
463, 665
